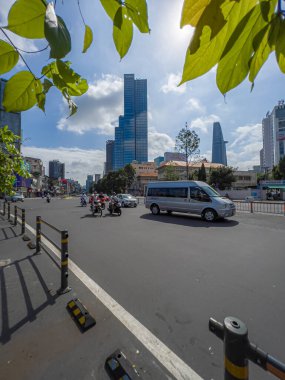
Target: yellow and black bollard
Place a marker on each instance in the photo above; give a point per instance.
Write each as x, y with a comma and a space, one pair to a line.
23, 221
236, 346
64, 263
9, 211
15, 215
38, 235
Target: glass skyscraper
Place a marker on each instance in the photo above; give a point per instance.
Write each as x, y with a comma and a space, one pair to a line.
131, 134
219, 153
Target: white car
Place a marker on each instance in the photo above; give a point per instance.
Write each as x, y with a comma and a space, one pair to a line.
127, 200
14, 198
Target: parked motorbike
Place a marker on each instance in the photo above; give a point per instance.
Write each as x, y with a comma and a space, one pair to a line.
96, 208
115, 208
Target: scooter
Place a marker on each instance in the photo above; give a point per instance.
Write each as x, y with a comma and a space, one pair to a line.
48, 198
115, 207
96, 208
83, 202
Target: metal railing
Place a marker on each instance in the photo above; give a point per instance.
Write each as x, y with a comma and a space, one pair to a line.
275, 208
239, 350
63, 248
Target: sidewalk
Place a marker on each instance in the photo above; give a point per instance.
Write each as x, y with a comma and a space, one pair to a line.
39, 339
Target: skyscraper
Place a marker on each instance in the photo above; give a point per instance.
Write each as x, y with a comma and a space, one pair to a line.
12, 119
56, 169
273, 136
110, 155
131, 134
219, 153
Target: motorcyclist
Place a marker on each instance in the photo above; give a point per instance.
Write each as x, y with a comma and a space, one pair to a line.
83, 199
48, 197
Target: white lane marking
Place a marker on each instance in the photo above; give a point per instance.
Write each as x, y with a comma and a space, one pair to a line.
176, 366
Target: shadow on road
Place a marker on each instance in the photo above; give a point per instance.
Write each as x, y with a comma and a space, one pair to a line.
8, 330
189, 220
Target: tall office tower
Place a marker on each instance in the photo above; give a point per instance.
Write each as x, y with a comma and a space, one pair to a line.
89, 183
97, 178
219, 153
273, 136
12, 119
131, 134
56, 169
261, 158
110, 154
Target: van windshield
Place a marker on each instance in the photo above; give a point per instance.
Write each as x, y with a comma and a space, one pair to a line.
210, 191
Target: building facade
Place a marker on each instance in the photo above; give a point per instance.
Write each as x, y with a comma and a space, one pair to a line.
158, 160
110, 156
89, 183
244, 179
97, 178
131, 134
273, 137
12, 119
56, 169
180, 171
219, 153
174, 156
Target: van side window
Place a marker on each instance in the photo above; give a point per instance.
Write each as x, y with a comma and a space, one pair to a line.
197, 194
169, 192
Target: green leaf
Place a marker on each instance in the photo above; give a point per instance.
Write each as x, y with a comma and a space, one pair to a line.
8, 57
41, 101
264, 44
211, 49
20, 92
122, 31
234, 64
137, 10
47, 85
192, 11
26, 18
64, 78
111, 7
280, 47
72, 106
56, 34
88, 38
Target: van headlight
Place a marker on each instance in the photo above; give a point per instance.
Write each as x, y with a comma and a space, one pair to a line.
228, 206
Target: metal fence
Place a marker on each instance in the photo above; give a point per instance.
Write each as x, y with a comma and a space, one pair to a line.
276, 208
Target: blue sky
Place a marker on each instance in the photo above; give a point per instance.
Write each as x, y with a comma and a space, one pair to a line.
80, 141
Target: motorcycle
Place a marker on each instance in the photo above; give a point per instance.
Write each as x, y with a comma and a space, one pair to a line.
96, 208
83, 202
48, 199
115, 208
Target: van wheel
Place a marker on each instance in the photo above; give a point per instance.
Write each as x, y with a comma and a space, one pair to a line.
209, 215
155, 210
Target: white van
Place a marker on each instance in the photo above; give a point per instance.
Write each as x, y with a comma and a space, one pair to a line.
194, 197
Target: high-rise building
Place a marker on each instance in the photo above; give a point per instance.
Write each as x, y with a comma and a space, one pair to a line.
97, 178
273, 136
12, 119
174, 156
219, 153
89, 183
131, 134
158, 160
56, 169
110, 155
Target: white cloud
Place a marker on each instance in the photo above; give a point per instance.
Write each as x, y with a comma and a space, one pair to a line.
158, 143
195, 105
247, 133
172, 84
78, 162
99, 109
203, 123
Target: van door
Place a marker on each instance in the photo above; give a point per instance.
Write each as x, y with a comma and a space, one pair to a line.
199, 200
177, 199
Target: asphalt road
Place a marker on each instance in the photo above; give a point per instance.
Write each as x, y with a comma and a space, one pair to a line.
175, 272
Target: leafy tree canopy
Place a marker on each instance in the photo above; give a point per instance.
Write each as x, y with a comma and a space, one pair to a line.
222, 177
118, 181
236, 35
11, 162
